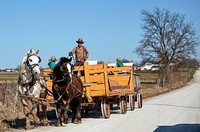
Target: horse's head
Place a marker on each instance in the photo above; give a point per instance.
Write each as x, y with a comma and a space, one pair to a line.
63, 70
33, 61
29, 65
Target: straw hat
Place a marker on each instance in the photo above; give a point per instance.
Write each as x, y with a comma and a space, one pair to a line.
80, 40
118, 59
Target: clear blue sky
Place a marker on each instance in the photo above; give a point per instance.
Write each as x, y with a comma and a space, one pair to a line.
110, 28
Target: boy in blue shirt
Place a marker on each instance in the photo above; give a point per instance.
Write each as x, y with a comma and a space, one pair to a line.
52, 62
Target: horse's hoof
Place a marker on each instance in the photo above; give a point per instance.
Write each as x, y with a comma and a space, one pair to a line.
66, 121
45, 123
36, 124
28, 127
77, 121
58, 124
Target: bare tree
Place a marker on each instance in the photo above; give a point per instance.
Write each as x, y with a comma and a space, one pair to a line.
188, 63
125, 60
167, 38
100, 62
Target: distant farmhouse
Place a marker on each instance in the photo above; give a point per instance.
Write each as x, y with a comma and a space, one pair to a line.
150, 66
8, 70
153, 67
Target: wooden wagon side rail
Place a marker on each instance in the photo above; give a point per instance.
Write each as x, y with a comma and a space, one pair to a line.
101, 79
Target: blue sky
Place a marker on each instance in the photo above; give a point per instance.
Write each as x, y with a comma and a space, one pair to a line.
109, 28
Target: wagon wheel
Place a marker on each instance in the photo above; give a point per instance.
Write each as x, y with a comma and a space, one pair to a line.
132, 102
105, 108
139, 99
123, 104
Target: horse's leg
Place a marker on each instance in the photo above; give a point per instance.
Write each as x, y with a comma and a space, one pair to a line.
44, 109
77, 116
38, 112
26, 113
35, 114
59, 119
73, 108
65, 114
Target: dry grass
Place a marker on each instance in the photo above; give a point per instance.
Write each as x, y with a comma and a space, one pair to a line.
178, 80
7, 96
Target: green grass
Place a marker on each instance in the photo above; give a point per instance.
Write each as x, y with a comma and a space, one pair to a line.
146, 86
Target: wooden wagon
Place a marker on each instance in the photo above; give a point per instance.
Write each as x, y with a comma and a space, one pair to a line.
105, 86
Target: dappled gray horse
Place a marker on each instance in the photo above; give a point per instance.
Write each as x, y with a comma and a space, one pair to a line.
31, 84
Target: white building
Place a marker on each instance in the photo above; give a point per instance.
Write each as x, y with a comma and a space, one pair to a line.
92, 62
150, 66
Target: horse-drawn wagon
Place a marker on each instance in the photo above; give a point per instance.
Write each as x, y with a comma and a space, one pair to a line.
85, 87
105, 86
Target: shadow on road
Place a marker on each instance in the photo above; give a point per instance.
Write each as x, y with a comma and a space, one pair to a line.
179, 128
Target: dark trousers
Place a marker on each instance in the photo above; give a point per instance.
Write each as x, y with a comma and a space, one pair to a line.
79, 63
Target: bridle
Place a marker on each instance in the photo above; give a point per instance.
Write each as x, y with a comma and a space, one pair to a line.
31, 66
66, 78
65, 73
33, 74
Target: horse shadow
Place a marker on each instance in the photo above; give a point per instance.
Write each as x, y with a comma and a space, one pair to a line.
179, 128
20, 123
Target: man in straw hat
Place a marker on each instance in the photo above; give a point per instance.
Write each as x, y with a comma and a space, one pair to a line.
81, 53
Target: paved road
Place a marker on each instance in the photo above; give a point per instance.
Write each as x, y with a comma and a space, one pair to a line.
172, 112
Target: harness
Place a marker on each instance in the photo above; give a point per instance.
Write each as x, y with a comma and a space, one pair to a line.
65, 88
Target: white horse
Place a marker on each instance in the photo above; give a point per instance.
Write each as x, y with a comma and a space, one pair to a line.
31, 84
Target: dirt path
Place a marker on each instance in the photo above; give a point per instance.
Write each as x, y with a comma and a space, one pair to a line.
175, 111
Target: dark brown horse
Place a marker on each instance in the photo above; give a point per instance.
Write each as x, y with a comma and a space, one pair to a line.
67, 90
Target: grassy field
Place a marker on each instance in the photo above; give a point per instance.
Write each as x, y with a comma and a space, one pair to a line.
8, 76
